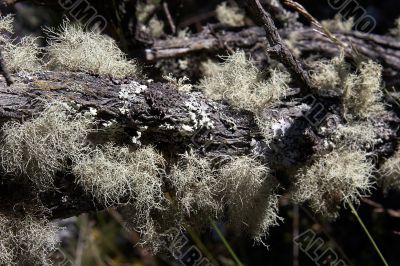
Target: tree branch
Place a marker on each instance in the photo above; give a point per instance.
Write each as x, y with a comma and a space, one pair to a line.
163, 111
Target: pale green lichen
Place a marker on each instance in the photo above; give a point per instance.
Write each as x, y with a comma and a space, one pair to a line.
355, 135
114, 175
39, 148
26, 241
195, 184
230, 15
332, 179
74, 49
248, 192
181, 84
6, 27
390, 173
396, 30
23, 56
362, 94
360, 91
19, 56
240, 83
156, 27
330, 75
338, 23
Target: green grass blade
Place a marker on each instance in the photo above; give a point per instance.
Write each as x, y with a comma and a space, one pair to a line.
225, 242
353, 210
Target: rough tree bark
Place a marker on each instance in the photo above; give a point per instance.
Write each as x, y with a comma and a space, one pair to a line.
234, 133
214, 39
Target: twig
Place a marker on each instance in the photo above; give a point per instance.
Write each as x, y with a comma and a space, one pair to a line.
278, 47
4, 70
169, 17
319, 27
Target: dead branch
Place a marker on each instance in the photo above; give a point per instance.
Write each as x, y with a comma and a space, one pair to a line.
235, 132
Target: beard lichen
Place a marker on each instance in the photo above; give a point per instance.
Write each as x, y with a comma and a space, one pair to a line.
240, 83
332, 179
360, 92
248, 192
38, 148
114, 175
230, 15
195, 184
74, 49
390, 173
22, 55
26, 240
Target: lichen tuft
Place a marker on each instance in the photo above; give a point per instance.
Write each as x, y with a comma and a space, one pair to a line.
74, 49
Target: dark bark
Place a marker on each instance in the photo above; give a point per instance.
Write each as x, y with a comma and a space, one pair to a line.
383, 49
235, 132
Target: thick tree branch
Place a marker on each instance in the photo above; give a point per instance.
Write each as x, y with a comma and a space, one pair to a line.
164, 112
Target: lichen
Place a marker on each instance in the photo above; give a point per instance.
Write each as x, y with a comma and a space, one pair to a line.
396, 30
195, 184
74, 49
248, 192
362, 96
334, 178
240, 83
360, 91
156, 27
180, 84
39, 148
6, 27
390, 173
355, 135
114, 175
26, 241
338, 23
230, 15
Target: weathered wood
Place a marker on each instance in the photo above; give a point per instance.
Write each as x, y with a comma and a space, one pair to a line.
163, 112
214, 39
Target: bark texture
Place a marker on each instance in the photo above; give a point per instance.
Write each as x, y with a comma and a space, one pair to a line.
163, 111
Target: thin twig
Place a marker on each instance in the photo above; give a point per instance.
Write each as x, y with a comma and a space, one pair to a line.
278, 47
169, 17
319, 27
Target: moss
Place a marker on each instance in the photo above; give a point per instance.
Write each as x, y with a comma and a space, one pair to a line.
39, 148
26, 241
230, 15
338, 23
76, 50
333, 178
248, 192
240, 83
